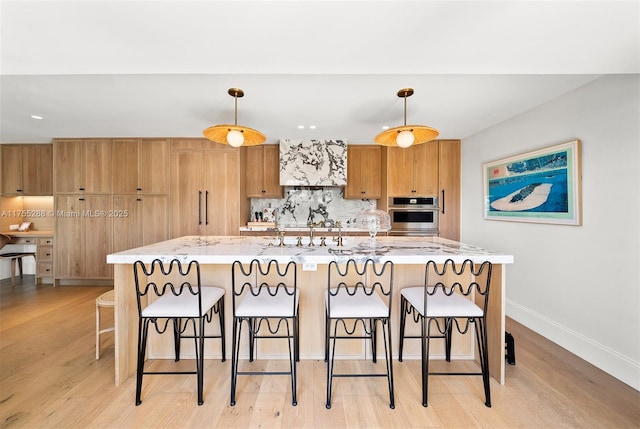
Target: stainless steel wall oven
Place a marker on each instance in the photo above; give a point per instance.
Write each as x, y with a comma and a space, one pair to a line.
416, 216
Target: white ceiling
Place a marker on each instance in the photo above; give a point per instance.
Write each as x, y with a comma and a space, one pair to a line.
162, 68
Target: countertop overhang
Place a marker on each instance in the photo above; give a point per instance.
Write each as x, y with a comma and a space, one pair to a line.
226, 250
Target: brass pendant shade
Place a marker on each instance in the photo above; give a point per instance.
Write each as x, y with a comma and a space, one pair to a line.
234, 135
406, 135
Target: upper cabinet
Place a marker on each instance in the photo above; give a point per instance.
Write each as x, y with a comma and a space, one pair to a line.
82, 166
140, 166
364, 167
262, 173
413, 171
27, 169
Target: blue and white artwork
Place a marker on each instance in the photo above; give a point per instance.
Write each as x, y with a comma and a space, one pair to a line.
313, 162
540, 186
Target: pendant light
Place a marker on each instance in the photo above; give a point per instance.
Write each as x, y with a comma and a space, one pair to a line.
235, 135
406, 135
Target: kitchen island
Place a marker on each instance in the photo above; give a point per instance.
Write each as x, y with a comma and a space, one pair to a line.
216, 254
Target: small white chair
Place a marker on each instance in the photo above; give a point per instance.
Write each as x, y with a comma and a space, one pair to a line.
172, 293
104, 300
359, 295
441, 303
266, 297
15, 258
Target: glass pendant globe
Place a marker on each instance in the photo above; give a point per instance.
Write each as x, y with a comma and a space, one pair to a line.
405, 138
235, 138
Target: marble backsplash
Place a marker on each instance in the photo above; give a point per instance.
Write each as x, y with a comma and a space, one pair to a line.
302, 205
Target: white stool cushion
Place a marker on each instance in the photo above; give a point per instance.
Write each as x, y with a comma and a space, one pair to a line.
185, 304
265, 305
441, 305
360, 305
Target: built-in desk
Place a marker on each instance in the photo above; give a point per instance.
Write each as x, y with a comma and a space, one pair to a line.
43, 242
216, 254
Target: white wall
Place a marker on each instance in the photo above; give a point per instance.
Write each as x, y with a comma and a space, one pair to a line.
576, 285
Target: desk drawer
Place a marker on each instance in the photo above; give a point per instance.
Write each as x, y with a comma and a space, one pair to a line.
44, 269
45, 241
24, 240
45, 253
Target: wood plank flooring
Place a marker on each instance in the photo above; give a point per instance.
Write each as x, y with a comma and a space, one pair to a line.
49, 378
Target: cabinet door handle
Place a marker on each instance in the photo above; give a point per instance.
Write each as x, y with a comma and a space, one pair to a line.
206, 208
443, 201
199, 207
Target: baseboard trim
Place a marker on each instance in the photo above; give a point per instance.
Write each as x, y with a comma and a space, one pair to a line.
617, 365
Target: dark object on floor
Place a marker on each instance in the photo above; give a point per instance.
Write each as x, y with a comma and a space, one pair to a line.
510, 347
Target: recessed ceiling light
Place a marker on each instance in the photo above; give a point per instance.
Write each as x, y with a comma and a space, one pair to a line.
313, 127
386, 127
36, 117
301, 127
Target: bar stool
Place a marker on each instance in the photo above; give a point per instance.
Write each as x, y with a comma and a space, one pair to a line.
359, 295
104, 300
172, 299
266, 297
454, 295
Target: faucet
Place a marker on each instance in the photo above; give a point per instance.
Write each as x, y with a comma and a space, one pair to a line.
338, 239
281, 238
311, 226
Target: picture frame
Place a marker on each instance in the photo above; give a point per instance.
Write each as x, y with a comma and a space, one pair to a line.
540, 186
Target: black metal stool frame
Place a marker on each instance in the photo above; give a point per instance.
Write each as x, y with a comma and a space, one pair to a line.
178, 327
368, 333
444, 326
257, 323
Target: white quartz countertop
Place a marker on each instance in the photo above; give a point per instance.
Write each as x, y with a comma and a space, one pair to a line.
226, 250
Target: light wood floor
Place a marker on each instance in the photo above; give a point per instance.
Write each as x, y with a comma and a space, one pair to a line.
49, 378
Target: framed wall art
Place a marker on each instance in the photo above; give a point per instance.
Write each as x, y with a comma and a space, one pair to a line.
542, 186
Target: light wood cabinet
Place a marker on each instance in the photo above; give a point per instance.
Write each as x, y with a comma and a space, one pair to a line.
205, 192
83, 236
27, 169
262, 173
139, 220
413, 171
449, 185
82, 165
140, 166
44, 258
364, 172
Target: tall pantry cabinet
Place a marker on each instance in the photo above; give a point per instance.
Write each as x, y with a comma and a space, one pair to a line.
82, 191
110, 195
207, 195
140, 192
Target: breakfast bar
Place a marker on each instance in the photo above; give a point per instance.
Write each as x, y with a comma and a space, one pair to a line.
215, 254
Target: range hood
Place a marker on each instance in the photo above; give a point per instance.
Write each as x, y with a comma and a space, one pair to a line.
313, 162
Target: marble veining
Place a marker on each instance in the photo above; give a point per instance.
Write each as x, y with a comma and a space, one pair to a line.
313, 162
302, 205
226, 250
